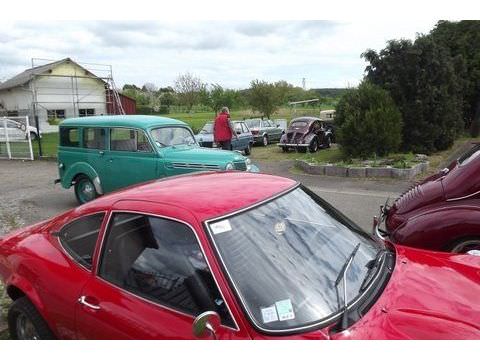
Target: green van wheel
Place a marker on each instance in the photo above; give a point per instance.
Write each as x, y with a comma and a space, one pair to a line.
84, 189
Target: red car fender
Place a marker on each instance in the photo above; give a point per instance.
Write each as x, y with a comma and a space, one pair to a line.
438, 229
24, 285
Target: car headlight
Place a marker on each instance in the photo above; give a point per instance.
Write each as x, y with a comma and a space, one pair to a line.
248, 161
229, 166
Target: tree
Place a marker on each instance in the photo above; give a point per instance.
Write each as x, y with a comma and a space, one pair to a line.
219, 97
421, 79
368, 122
263, 97
461, 39
189, 88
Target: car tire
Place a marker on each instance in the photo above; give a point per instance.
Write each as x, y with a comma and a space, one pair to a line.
265, 140
328, 142
33, 136
84, 189
26, 323
248, 149
464, 245
313, 147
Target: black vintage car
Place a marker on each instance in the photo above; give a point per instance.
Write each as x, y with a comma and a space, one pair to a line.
307, 133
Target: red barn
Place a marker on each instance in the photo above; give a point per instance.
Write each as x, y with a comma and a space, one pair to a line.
129, 104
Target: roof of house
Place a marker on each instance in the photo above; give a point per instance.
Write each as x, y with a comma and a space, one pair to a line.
24, 77
136, 121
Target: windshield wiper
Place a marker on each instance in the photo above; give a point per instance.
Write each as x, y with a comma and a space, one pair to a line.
342, 276
372, 265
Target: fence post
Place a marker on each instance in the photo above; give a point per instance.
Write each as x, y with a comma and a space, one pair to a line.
39, 140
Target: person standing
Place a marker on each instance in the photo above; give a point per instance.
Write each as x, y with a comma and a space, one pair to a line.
223, 130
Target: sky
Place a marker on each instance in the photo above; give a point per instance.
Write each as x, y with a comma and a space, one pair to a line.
229, 53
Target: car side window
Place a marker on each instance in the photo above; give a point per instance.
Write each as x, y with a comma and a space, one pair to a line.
79, 238
160, 260
131, 140
69, 137
244, 128
94, 138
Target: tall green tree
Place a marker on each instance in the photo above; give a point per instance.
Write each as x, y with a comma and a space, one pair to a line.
264, 97
368, 122
462, 40
421, 78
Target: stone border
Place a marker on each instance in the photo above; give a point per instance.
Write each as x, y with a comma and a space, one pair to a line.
361, 172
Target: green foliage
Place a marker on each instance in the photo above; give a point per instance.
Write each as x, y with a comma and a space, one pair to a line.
421, 79
461, 39
368, 122
264, 97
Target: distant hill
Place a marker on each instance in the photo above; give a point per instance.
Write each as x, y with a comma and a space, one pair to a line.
330, 92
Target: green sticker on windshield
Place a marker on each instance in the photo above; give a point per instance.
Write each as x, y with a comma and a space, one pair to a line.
285, 310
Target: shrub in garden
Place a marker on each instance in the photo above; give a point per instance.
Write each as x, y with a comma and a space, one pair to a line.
368, 122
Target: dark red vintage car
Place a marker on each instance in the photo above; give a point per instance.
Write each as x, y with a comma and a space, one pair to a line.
228, 256
443, 211
307, 133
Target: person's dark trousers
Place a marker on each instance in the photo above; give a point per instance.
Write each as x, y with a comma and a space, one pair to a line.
226, 145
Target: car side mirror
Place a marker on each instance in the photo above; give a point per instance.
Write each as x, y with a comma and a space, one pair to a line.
238, 132
206, 325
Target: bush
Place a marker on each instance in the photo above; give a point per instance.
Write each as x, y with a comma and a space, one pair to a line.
368, 122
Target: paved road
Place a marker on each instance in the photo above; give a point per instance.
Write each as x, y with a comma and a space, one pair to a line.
27, 193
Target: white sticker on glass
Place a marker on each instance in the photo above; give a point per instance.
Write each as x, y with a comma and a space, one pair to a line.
221, 227
269, 314
285, 310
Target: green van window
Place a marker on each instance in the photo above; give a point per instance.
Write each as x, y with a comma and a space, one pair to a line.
128, 140
94, 138
69, 137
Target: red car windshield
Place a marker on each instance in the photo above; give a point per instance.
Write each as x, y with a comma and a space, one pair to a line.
284, 256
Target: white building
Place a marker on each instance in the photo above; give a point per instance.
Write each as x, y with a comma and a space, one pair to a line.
54, 91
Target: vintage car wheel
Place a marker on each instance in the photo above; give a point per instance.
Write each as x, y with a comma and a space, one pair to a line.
328, 142
84, 189
248, 149
25, 322
265, 140
465, 245
313, 147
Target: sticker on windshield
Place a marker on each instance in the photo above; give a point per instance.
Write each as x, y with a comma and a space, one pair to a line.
220, 227
280, 228
285, 310
269, 314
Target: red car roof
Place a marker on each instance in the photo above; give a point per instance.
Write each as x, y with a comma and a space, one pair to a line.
207, 195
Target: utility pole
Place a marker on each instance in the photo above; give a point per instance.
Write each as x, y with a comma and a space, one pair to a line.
304, 84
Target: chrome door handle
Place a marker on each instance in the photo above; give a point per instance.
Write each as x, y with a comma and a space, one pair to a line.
81, 300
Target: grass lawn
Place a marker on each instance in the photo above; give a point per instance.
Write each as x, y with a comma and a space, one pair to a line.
274, 153
4, 303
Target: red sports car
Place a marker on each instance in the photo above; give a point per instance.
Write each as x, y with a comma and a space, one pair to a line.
443, 211
228, 256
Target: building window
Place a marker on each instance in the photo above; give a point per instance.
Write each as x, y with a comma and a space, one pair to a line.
86, 112
55, 114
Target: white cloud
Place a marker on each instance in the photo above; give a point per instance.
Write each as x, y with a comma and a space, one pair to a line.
229, 53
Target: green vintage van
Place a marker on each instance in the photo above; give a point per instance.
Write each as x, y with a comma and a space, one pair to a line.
100, 154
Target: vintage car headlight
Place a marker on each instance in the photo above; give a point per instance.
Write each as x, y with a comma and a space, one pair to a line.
229, 166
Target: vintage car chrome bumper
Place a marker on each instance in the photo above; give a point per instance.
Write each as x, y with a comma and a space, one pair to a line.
377, 222
292, 145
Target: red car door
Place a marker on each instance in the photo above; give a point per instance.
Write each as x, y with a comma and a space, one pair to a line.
151, 282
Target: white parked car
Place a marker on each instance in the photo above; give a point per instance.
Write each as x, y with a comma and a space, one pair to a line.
17, 130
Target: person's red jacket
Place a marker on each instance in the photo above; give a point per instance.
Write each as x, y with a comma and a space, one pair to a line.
221, 128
